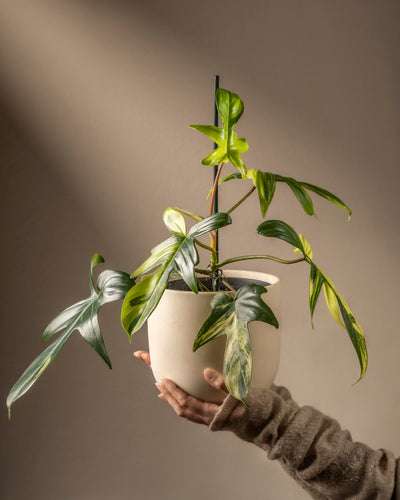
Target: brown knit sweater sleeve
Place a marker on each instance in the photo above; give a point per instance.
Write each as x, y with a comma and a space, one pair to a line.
312, 447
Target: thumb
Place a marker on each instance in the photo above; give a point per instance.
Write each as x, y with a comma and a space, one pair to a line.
216, 379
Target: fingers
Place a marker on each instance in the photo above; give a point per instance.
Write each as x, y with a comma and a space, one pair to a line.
144, 355
216, 379
186, 406
183, 404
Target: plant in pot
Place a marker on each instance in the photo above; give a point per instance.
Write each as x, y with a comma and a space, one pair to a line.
237, 310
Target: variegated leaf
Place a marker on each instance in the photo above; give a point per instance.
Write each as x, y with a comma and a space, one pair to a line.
139, 300
283, 231
159, 254
238, 361
306, 247
174, 221
356, 334
83, 316
178, 255
332, 303
316, 282
230, 316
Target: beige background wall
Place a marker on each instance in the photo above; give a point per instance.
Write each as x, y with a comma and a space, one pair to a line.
95, 101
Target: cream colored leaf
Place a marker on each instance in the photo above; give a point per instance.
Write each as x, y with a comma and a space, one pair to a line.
332, 303
306, 246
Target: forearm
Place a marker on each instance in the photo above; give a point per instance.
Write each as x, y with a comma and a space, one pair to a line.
311, 447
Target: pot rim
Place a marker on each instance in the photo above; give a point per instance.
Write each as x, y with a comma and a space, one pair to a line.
271, 279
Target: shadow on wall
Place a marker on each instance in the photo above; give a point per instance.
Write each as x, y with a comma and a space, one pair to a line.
47, 240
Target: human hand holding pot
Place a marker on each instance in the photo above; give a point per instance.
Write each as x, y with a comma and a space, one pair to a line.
183, 404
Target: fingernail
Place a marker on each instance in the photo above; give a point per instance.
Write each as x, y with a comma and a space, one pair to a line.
210, 375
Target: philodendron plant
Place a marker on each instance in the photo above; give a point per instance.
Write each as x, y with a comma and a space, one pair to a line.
177, 256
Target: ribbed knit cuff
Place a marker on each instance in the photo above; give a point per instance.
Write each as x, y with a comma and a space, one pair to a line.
245, 422
230, 409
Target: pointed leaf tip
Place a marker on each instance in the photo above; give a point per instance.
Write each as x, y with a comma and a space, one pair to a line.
265, 184
82, 316
174, 221
96, 259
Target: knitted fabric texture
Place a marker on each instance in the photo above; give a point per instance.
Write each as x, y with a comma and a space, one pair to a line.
311, 447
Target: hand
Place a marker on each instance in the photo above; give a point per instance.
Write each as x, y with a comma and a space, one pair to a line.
182, 403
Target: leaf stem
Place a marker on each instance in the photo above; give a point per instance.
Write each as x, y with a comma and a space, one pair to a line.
215, 187
203, 245
228, 286
195, 217
213, 234
202, 286
203, 271
253, 257
241, 200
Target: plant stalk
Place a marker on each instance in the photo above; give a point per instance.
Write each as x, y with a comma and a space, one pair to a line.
213, 234
203, 271
241, 200
215, 187
253, 257
203, 245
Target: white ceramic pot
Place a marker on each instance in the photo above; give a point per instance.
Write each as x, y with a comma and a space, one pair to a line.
173, 327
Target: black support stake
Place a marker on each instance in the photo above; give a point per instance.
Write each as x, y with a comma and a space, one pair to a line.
216, 284
215, 169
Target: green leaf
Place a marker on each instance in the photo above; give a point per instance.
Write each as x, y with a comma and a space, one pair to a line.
174, 221
35, 369
218, 320
230, 106
300, 193
328, 196
355, 332
335, 301
316, 282
159, 254
225, 178
299, 190
281, 230
175, 255
265, 183
142, 299
82, 316
230, 316
216, 157
230, 146
216, 134
209, 223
